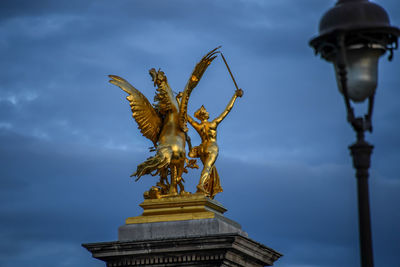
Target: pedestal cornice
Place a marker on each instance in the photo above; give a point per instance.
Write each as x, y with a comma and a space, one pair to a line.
214, 250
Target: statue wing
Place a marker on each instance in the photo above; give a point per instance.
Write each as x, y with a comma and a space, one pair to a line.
147, 118
192, 83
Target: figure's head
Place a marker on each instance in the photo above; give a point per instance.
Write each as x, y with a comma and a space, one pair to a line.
157, 76
202, 114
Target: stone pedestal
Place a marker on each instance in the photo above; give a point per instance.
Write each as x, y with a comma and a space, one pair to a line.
182, 232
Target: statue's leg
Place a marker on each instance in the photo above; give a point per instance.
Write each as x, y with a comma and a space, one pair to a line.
208, 162
163, 183
172, 186
179, 177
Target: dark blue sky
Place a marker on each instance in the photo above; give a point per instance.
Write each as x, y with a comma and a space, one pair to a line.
68, 142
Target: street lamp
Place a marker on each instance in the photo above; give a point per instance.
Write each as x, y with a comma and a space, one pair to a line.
353, 35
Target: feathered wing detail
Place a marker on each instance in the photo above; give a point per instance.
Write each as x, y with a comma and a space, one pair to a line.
192, 83
149, 122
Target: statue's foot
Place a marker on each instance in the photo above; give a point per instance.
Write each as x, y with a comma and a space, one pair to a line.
201, 190
153, 193
184, 193
172, 192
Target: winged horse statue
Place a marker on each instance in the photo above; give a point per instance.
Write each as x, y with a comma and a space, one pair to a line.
164, 123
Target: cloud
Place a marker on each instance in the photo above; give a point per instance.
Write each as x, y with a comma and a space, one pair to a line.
68, 142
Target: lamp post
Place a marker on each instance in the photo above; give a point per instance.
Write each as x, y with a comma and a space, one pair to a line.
353, 35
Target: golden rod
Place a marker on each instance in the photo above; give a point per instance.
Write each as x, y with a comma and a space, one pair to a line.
227, 66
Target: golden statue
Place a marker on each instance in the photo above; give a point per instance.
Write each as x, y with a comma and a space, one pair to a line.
165, 125
207, 151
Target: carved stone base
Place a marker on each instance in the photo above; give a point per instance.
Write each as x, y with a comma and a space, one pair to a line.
179, 229
182, 231
231, 250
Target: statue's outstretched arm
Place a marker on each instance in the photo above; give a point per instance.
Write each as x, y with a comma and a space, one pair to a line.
194, 123
238, 93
